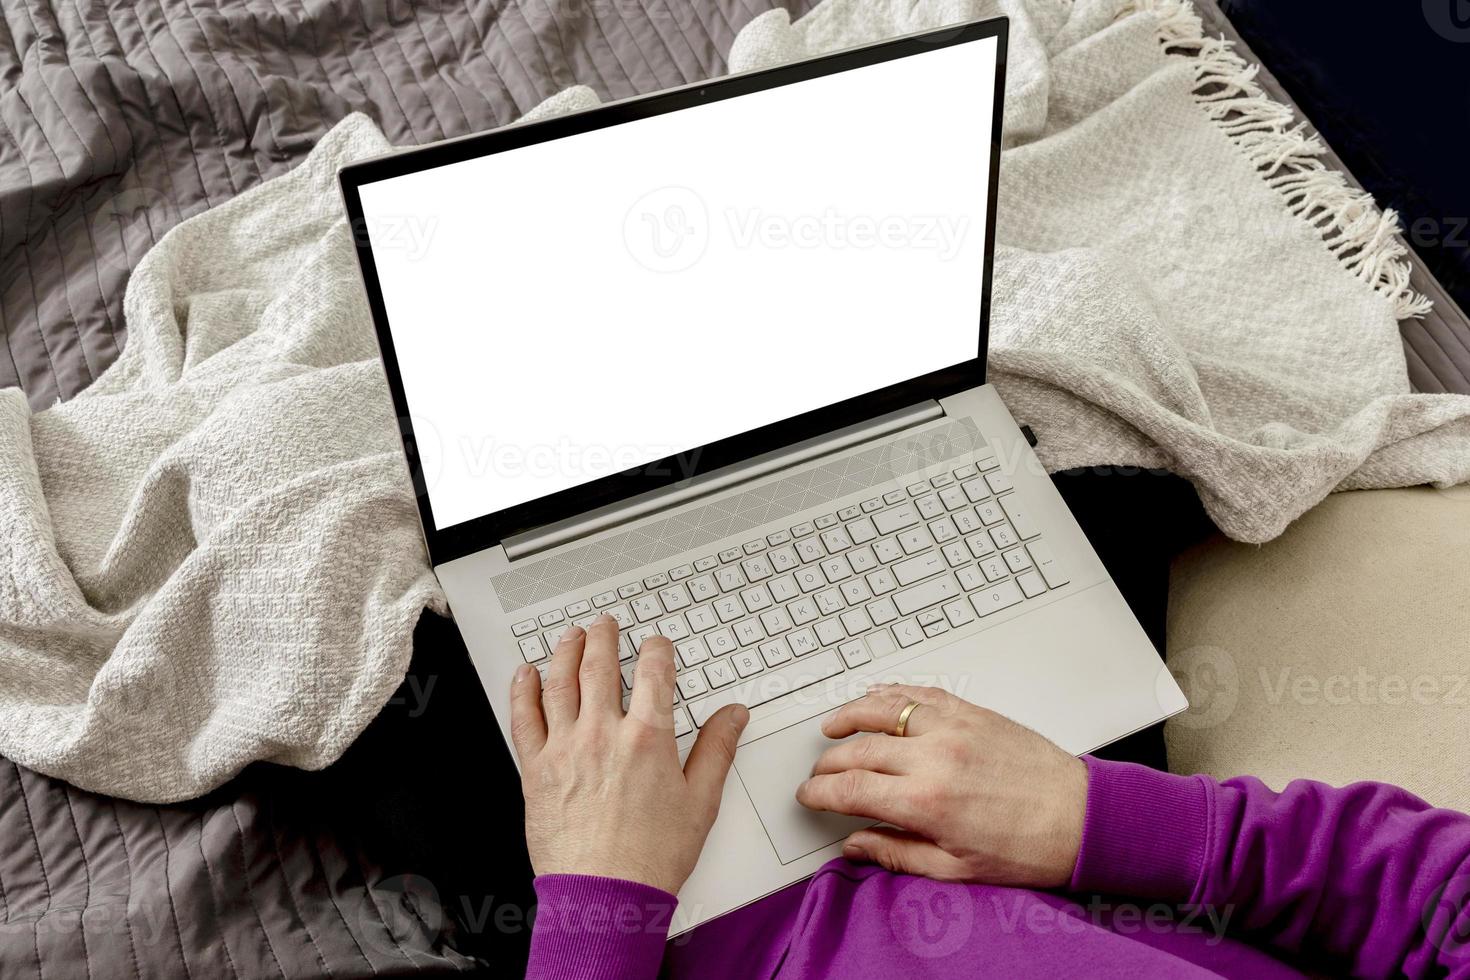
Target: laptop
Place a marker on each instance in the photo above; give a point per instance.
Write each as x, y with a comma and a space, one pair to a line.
712, 361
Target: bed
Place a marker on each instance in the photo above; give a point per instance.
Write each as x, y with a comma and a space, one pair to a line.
116, 122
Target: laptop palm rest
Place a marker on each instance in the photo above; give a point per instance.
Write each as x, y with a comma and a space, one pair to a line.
771, 768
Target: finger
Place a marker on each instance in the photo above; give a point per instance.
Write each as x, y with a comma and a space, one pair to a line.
874, 753
859, 793
561, 692
601, 681
713, 752
652, 703
527, 724
903, 852
879, 711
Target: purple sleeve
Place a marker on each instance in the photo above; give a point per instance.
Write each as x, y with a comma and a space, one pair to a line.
591, 928
1368, 874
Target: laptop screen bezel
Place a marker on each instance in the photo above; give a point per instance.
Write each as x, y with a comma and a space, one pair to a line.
468, 537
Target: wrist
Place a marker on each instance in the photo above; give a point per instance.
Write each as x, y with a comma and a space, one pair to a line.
1144, 832
589, 927
1067, 823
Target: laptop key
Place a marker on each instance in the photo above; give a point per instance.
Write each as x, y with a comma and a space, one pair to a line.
604, 599
552, 618
836, 540
721, 642
1046, 562
630, 590
958, 613
702, 618
911, 570
880, 643
854, 653
776, 621
896, 519
1031, 583
674, 598
532, 649
730, 578
521, 629
647, 607
929, 593
770, 685
803, 642
758, 569
783, 559
775, 653
930, 507
692, 684
692, 653
810, 549
883, 611
996, 598
784, 589
908, 632
1003, 536
674, 628
720, 673
748, 662
1017, 559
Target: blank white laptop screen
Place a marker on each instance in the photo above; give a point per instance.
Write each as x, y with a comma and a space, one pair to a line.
571, 309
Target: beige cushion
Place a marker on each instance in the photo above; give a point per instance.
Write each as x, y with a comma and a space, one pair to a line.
1339, 651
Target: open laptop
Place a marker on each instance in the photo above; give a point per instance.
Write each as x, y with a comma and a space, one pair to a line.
713, 361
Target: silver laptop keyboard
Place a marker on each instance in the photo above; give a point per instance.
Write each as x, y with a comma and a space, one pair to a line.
770, 616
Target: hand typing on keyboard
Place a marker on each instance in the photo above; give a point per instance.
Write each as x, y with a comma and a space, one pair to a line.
605, 794
980, 797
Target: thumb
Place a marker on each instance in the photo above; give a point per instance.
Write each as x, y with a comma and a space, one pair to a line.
713, 752
903, 852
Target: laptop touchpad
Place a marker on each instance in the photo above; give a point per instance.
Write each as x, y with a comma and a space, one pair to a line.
771, 768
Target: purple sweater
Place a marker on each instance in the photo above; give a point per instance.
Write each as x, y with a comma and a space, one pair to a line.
1367, 879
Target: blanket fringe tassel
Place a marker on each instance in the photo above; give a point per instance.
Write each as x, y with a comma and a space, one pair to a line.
1364, 239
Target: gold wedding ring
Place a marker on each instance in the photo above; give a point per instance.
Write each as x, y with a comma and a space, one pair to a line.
903, 718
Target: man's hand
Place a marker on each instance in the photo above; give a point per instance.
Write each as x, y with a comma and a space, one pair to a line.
604, 791
979, 797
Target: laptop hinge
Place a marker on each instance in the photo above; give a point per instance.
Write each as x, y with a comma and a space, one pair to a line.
593, 522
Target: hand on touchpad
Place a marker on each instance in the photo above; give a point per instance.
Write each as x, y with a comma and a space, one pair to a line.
771, 768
